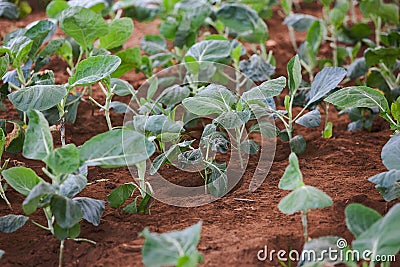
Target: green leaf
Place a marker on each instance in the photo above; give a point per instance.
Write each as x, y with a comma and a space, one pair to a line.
92, 209
39, 141
173, 95
153, 44
2, 141
203, 105
64, 233
39, 97
266, 128
130, 59
292, 178
9, 10
156, 124
4, 62
211, 50
251, 147
116, 148
303, 199
38, 33
20, 47
299, 22
256, 68
22, 179
324, 82
119, 32
388, 56
121, 87
385, 179
360, 218
74, 184
37, 193
94, 5
94, 69
218, 181
327, 132
63, 160
83, 25
265, 90
11, 223
55, 7
390, 153
66, 212
311, 119
383, 237
395, 109
168, 248
232, 119
298, 144
358, 97
294, 73
119, 195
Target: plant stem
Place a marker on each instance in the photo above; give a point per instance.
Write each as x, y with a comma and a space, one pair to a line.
40, 226
263, 50
378, 25
334, 47
326, 114
3, 196
84, 240
292, 36
238, 139
61, 253
304, 223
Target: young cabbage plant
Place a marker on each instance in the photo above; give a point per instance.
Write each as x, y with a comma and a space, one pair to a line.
67, 168
2, 168
325, 81
177, 248
303, 197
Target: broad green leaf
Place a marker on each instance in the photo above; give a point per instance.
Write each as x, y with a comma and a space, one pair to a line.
37, 193
11, 223
20, 47
66, 212
338, 13
130, 59
265, 90
153, 44
16, 138
244, 20
324, 82
360, 218
251, 147
292, 178
121, 194
63, 160
94, 5
211, 50
38, 33
39, 97
203, 106
377, 8
39, 141
383, 237
303, 199
94, 69
390, 193
55, 7
4, 62
92, 209
390, 153
232, 119
294, 73
395, 109
219, 93
168, 248
173, 95
121, 87
156, 124
83, 25
298, 144
256, 68
218, 182
327, 132
170, 155
22, 179
358, 97
116, 148
9, 10
119, 32
74, 184
299, 22
266, 128
385, 179
311, 119
196, 10
64, 233
119, 107
388, 56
